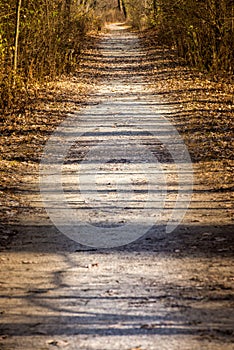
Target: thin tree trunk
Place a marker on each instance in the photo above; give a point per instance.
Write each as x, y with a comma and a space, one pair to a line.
15, 64
124, 8
232, 18
119, 5
155, 7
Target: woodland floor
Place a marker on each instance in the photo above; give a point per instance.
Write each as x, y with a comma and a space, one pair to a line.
163, 291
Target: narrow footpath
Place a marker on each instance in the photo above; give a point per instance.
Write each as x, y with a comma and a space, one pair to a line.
115, 276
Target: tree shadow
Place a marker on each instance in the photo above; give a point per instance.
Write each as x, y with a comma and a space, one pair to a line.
189, 240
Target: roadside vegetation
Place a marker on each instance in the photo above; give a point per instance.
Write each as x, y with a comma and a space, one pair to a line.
201, 31
41, 40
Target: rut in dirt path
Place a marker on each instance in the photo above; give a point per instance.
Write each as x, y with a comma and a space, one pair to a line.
155, 293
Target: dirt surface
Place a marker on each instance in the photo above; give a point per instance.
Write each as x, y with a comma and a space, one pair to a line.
163, 291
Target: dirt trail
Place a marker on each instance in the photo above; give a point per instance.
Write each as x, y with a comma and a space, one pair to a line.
164, 291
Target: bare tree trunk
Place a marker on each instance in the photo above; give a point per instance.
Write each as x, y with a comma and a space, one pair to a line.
124, 8
232, 18
17, 26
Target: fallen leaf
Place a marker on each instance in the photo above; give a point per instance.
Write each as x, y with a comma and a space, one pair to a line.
58, 343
